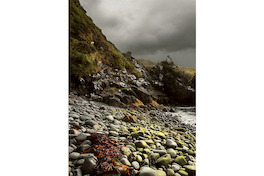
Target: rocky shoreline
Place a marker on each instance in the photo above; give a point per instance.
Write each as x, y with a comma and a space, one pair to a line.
144, 143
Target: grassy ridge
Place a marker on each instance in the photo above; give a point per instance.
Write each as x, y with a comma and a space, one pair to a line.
148, 63
188, 73
88, 46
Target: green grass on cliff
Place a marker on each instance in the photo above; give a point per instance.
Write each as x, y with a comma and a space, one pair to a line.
148, 63
88, 46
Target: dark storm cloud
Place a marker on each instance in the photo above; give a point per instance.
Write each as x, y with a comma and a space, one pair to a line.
149, 28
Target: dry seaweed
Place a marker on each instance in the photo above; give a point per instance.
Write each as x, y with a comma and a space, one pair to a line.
108, 152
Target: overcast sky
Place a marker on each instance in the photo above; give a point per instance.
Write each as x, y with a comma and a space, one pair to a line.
148, 28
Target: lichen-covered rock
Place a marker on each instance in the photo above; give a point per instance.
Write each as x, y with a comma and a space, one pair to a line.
161, 152
150, 141
181, 160
183, 173
160, 134
137, 133
139, 158
141, 144
170, 172
176, 167
172, 152
160, 173
164, 160
191, 169
126, 150
154, 156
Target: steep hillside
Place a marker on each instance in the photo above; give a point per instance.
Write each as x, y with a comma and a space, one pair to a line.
89, 47
100, 72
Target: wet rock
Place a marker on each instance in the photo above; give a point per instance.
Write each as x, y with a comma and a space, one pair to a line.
89, 164
161, 152
125, 161
139, 158
112, 100
71, 149
190, 169
85, 147
135, 164
172, 152
175, 167
160, 134
86, 117
183, 173
170, 143
78, 172
154, 156
164, 160
170, 172
137, 133
126, 150
146, 171
90, 122
129, 118
141, 144
143, 94
146, 161
160, 173
142, 118
74, 155
131, 148
113, 133
82, 136
80, 161
110, 118
181, 160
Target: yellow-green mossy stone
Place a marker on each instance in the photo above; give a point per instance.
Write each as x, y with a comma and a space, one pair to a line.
160, 173
141, 144
145, 156
181, 160
191, 152
170, 172
160, 134
191, 169
154, 156
183, 173
150, 141
137, 133
164, 160
132, 129
147, 150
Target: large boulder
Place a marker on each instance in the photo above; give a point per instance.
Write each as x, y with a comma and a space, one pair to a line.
142, 94
112, 100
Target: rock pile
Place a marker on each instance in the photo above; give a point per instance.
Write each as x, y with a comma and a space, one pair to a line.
156, 145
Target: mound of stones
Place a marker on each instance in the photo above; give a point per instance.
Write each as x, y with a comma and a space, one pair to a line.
156, 145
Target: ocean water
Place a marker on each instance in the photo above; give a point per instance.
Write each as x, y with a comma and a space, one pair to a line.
186, 115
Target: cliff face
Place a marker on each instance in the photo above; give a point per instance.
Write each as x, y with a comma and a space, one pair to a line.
99, 71
89, 48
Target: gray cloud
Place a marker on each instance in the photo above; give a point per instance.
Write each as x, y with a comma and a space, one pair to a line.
149, 28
